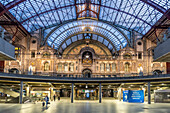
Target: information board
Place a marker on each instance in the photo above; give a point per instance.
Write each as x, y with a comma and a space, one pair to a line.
136, 96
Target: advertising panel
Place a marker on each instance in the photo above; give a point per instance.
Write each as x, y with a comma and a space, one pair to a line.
133, 96
136, 96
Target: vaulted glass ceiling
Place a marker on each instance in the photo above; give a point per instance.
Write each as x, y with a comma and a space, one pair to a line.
129, 15
80, 37
137, 15
114, 35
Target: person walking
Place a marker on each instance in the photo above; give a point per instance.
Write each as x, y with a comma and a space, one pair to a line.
46, 100
54, 97
58, 98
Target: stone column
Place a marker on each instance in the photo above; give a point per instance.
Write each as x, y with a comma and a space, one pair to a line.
115, 93
69, 68
149, 94
119, 93
28, 91
111, 71
72, 92
51, 93
21, 92
100, 93
105, 69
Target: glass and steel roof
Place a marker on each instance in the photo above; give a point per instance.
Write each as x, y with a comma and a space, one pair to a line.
132, 15
138, 15
114, 35
80, 37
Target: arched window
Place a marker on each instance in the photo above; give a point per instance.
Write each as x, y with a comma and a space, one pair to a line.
46, 55
127, 67
114, 67
97, 68
102, 67
71, 68
107, 67
60, 67
46, 66
65, 67
14, 70
127, 56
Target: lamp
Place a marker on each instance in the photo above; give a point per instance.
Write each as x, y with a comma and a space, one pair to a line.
86, 86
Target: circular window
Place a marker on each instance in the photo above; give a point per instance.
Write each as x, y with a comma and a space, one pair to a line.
33, 41
139, 43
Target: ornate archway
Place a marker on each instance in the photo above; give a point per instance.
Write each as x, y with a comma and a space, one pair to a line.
87, 73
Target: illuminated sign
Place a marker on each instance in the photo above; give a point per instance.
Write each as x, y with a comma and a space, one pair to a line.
136, 96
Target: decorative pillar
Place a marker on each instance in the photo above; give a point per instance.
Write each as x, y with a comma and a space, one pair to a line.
21, 92
100, 93
114, 93
72, 92
28, 91
69, 68
149, 94
119, 93
63, 67
111, 68
51, 93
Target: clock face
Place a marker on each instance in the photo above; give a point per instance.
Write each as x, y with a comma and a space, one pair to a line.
87, 56
87, 61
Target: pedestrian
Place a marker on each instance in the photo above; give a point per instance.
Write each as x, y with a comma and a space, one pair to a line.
43, 104
58, 98
54, 97
46, 100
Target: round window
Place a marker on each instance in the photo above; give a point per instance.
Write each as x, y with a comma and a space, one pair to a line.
139, 43
33, 41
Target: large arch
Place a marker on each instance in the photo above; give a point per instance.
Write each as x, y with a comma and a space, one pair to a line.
66, 23
112, 34
101, 36
81, 42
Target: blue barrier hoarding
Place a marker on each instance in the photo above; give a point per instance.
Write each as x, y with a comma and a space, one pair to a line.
125, 96
136, 96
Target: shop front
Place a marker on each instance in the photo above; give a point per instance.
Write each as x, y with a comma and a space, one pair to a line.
86, 94
39, 95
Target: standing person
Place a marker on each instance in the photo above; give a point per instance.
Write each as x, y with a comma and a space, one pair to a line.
46, 100
59, 98
54, 97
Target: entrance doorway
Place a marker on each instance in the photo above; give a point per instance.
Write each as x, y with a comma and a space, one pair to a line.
86, 94
87, 73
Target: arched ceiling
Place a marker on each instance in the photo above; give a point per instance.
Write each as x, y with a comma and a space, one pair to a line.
137, 15
86, 38
112, 35
98, 47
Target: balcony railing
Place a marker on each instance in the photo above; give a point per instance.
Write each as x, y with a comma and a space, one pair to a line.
63, 75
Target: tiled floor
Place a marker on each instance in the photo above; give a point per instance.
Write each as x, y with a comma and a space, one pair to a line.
107, 106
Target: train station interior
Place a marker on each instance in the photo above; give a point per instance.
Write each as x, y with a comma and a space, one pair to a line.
85, 51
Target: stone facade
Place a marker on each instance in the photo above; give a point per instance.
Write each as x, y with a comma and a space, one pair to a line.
44, 60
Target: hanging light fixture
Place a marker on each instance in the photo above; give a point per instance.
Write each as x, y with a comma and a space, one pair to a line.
86, 86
